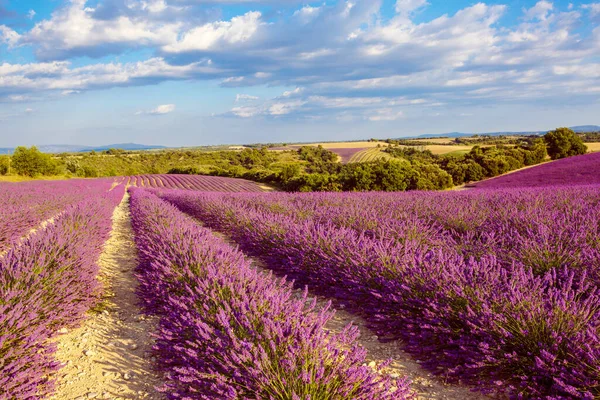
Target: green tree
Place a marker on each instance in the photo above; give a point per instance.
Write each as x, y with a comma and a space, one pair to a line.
288, 171
4, 165
563, 142
32, 162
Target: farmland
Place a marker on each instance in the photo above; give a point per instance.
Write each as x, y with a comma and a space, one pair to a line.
367, 155
493, 289
580, 170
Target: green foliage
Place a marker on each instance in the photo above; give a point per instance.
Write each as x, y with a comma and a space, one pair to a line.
113, 152
32, 162
590, 137
316, 155
430, 177
289, 171
563, 142
4, 165
184, 171
252, 158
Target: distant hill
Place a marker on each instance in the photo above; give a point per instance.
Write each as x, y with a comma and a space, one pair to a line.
67, 148
580, 128
586, 128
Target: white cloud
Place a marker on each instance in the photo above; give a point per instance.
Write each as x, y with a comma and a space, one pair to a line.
283, 108
594, 9
8, 36
69, 92
17, 98
163, 109
31, 14
74, 30
540, 11
245, 112
59, 76
386, 114
405, 7
307, 14
289, 93
217, 34
342, 60
244, 97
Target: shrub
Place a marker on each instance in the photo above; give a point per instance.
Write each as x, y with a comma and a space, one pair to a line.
563, 142
32, 162
4, 165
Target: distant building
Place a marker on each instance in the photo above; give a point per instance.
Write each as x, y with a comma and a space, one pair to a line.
237, 147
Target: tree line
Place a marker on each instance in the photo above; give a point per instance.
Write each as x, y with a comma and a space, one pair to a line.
309, 168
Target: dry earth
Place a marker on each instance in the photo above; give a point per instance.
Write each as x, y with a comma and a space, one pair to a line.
108, 357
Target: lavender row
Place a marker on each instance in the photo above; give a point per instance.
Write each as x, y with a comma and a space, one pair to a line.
195, 182
530, 334
533, 228
578, 170
228, 331
25, 205
46, 283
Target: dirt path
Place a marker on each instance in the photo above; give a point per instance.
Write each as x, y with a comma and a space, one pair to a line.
425, 385
108, 357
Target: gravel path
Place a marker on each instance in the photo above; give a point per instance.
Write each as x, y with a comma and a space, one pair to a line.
108, 357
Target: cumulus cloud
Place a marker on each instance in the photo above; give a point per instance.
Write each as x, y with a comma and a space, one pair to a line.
593, 8
60, 76
406, 7
73, 30
244, 97
540, 11
336, 59
8, 36
159, 110
217, 34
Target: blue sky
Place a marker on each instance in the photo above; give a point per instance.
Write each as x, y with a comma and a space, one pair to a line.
193, 72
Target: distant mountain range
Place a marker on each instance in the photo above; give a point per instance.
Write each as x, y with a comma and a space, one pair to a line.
67, 148
580, 128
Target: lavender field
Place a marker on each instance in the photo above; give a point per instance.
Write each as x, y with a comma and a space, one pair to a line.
579, 170
495, 289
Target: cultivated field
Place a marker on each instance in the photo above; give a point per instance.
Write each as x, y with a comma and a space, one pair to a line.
369, 155
195, 182
179, 286
578, 170
593, 147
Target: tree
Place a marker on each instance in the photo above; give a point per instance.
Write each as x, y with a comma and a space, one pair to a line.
32, 162
4, 165
563, 142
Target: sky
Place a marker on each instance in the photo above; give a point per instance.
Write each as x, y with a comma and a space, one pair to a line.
198, 72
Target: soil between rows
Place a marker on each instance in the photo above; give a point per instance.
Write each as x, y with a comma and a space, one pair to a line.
109, 356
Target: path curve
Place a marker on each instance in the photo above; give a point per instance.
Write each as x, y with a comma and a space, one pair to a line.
109, 356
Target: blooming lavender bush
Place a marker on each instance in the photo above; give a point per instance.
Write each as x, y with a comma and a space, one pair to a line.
577, 170
228, 331
25, 205
510, 303
48, 282
195, 182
